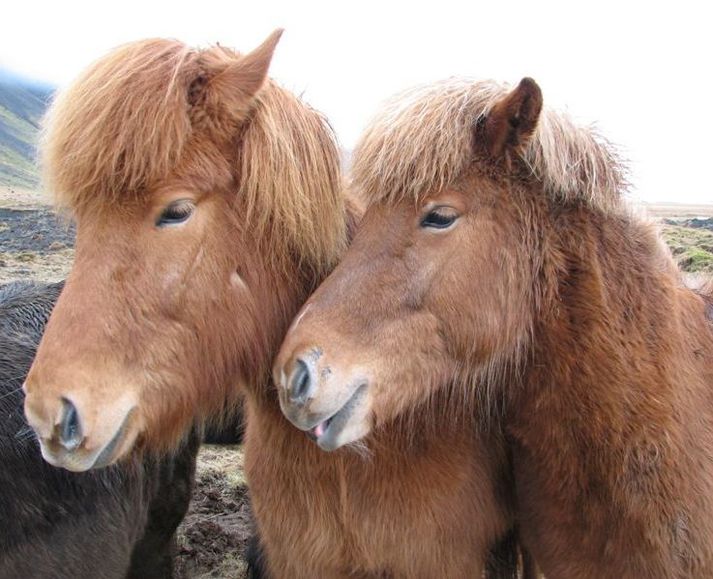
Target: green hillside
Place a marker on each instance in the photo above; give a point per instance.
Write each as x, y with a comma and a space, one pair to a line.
21, 108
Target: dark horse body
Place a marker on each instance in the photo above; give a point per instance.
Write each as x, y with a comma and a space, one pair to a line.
114, 523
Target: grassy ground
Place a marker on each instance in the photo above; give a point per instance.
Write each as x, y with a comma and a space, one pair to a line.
693, 248
21, 107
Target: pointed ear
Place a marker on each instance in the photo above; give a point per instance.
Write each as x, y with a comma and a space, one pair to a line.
250, 72
234, 87
512, 121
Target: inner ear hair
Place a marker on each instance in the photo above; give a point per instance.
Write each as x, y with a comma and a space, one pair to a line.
196, 90
512, 121
249, 73
230, 81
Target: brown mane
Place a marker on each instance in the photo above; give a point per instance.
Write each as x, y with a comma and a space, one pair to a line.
128, 123
422, 140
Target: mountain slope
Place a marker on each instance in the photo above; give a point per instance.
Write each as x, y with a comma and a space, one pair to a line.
22, 105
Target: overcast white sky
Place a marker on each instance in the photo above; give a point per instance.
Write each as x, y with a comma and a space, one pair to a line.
642, 73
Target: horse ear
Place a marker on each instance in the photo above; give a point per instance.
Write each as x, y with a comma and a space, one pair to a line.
250, 72
512, 121
236, 84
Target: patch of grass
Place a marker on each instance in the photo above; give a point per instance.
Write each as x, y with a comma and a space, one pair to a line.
232, 565
696, 260
693, 248
50, 267
225, 459
26, 256
20, 110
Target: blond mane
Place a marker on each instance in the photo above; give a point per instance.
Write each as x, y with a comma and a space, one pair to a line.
130, 122
122, 125
422, 141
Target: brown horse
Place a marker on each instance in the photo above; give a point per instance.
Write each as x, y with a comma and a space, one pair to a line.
209, 206
498, 268
199, 232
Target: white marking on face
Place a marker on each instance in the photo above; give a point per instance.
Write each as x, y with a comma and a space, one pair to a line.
298, 319
237, 282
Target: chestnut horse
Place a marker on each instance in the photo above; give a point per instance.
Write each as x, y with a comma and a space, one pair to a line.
497, 266
209, 206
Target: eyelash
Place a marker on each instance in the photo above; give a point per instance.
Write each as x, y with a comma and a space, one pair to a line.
176, 213
437, 219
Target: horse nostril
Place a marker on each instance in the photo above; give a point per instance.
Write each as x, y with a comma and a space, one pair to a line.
300, 385
70, 429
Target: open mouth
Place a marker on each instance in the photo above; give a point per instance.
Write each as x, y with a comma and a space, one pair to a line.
320, 429
326, 433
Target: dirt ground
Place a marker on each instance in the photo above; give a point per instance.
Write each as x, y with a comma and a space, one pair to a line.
214, 534
34, 243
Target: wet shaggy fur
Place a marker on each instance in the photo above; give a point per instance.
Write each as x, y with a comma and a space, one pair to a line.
111, 524
608, 397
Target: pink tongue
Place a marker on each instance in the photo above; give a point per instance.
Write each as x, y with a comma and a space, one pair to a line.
319, 429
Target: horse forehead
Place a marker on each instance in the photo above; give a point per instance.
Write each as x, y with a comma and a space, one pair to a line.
104, 229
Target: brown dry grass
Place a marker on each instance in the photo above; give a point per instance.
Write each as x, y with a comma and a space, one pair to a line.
213, 535
26, 264
14, 198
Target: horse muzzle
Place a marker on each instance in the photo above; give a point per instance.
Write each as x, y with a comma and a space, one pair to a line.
332, 408
73, 437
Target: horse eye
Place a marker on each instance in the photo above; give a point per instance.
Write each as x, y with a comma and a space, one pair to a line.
176, 213
440, 218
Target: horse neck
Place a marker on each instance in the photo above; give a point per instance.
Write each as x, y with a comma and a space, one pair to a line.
427, 433
285, 288
615, 340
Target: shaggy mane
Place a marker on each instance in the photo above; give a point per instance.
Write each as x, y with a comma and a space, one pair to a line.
131, 121
122, 125
422, 141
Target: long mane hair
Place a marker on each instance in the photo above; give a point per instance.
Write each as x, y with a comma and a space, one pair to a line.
136, 117
422, 140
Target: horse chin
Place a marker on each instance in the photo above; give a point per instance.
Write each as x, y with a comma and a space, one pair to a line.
350, 423
83, 459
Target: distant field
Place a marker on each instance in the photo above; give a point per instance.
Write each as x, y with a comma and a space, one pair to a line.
22, 105
20, 198
688, 231
678, 210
